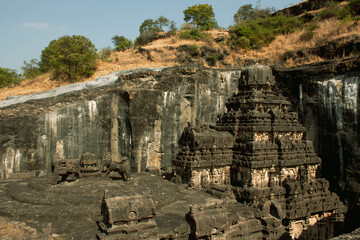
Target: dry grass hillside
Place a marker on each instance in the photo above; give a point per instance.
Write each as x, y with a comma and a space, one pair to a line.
331, 39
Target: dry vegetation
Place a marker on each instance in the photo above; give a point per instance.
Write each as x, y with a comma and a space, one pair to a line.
330, 29
164, 52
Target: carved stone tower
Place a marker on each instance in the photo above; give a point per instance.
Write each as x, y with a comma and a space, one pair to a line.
273, 168
269, 145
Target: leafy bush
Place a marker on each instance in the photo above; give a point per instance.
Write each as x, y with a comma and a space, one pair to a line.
245, 12
69, 57
306, 36
31, 69
9, 77
194, 50
261, 32
354, 7
306, 17
146, 38
150, 28
194, 34
202, 15
327, 13
188, 26
121, 43
212, 58
105, 53
242, 42
149, 25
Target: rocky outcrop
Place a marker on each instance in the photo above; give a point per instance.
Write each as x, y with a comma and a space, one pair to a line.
137, 114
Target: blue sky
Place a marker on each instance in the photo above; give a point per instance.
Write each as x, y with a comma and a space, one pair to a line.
28, 26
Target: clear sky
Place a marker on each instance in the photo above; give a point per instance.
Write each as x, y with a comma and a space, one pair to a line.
28, 26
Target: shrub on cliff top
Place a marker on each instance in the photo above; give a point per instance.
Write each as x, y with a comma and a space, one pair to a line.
69, 57
31, 69
194, 34
202, 15
150, 28
262, 31
121, 43
8, 77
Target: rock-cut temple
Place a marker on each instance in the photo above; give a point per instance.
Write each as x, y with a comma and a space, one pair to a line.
258, 152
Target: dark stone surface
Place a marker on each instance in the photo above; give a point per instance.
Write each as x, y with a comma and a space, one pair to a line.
74, 208
326, 95
139, 116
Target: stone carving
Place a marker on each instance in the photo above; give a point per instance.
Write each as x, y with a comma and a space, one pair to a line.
128, 217
272, 166
219, 222
205, 157
88, 164
65, 168
119, 169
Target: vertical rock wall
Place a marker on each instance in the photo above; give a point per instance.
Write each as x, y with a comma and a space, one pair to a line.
140, 115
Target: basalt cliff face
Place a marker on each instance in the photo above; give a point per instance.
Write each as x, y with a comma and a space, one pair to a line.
137, 114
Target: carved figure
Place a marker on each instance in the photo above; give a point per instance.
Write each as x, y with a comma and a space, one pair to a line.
63, 168
88, 163
119, 169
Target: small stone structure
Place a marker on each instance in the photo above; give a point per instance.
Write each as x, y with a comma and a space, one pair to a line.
119, 170
229, 220
258, 144
205, 157
128, 217
65, 168
88, 164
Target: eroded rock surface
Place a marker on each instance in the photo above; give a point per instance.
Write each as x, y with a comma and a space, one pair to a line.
137, 114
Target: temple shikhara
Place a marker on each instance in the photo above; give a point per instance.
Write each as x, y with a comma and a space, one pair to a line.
258, 150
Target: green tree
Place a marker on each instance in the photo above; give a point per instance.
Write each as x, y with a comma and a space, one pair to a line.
149, 26
31, 69
8, 77
245, 12
121, 43
202, 15
162, 22
69, 57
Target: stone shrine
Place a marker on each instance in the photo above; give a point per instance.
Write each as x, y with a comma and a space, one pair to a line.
128, 217
259, 145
